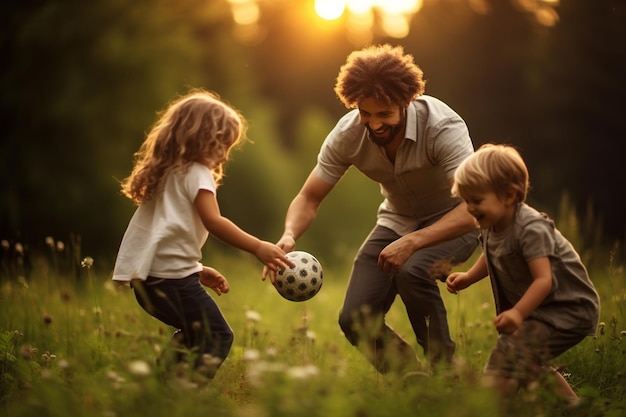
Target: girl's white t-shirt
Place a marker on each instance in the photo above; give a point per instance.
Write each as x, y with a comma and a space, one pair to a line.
165, 236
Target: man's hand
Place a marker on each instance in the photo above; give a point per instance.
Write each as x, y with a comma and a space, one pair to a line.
394, 255
287, 243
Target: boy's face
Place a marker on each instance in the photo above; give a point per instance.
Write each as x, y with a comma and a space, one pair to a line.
383, 121
490, 210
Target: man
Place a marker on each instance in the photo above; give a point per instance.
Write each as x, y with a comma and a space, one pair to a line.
411, 145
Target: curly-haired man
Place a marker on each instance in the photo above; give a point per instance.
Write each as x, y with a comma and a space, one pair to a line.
411, 144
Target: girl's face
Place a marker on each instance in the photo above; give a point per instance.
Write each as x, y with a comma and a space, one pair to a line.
383, 121
490, 210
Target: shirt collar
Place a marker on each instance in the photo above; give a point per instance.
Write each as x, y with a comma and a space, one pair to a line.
410, 131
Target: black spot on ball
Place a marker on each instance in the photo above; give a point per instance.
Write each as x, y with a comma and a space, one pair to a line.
313, 281
314, 268
290, 292
291, 279
304, 273
279, 283
302, 286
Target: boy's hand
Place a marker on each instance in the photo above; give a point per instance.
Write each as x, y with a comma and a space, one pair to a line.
508, 321
456, 282
211, 278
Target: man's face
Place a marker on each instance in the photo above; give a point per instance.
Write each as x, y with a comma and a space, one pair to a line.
383, 121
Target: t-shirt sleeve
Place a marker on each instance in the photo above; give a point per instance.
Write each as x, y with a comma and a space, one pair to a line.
198, 178
450, 144
332, 162
537, 240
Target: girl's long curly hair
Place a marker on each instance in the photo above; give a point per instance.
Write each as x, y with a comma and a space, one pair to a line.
382, 72
197, 127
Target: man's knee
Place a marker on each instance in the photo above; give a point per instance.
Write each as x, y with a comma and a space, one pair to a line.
346, 324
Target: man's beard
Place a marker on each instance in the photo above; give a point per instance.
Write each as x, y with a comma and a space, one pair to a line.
392, 131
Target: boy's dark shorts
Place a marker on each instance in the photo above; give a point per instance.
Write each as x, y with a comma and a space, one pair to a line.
526, 354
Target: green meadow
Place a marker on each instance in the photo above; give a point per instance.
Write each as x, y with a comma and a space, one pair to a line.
74, 343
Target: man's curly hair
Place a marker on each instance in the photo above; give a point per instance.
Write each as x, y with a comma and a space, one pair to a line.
383, 72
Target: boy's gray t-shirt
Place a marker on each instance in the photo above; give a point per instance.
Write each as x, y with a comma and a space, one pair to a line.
573, 303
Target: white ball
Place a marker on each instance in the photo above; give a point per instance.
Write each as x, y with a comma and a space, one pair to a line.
303, 281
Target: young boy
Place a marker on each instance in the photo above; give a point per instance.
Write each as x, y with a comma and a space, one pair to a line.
545, 301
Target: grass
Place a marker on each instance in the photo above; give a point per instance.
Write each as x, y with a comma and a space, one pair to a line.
73, 343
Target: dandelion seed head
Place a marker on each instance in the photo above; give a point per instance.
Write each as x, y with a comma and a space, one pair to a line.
63, 364
19, 248
622, 333
5, 244
60, 246
50, 241
87, 262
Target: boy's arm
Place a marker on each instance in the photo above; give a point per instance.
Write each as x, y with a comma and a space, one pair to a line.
460, 280
510, 320
538, 289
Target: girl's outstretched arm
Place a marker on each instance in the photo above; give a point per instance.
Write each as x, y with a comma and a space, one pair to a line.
224, 229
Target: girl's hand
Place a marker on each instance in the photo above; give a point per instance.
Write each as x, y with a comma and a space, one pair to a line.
287, 244
508, 321
457, 281
211, 278
274, 259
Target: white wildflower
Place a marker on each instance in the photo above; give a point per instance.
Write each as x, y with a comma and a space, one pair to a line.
251, 355
302, 372
252, 315
139, 368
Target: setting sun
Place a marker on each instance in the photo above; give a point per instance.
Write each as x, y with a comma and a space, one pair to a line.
329, 9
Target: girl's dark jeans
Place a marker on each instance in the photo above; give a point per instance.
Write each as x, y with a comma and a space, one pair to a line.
186, 305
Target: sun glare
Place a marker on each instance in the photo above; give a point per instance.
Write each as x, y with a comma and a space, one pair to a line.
395, 14
329, 9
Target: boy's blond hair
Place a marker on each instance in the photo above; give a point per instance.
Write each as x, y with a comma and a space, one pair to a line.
496, 168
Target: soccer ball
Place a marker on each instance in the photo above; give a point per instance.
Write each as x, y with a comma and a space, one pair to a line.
301, 282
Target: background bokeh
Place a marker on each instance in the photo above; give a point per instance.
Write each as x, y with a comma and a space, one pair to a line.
81, 82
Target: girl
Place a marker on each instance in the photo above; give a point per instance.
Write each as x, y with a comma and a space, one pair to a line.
545, 301
174, 180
